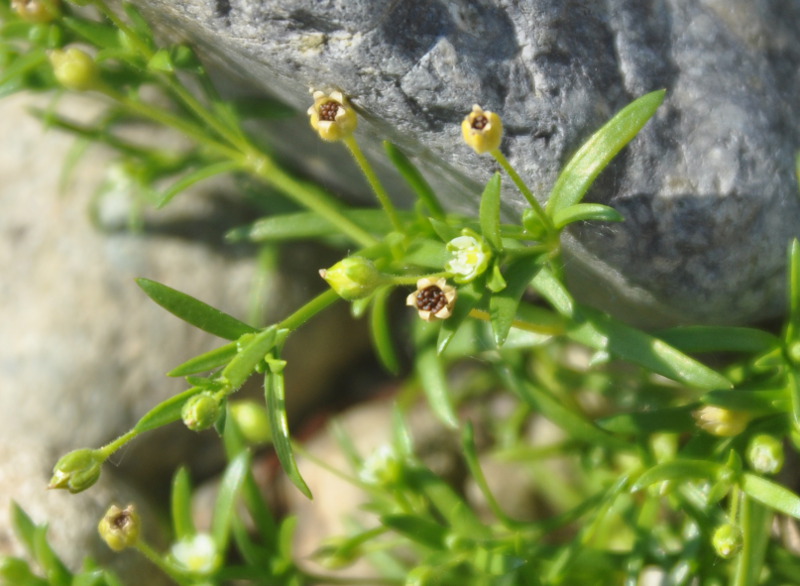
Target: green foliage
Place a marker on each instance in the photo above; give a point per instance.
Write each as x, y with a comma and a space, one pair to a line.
646, 462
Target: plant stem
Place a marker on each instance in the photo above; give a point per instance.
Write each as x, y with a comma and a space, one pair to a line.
158, 560
754, 521
383, 197
309, 310
520, 324
116, 444
535, 205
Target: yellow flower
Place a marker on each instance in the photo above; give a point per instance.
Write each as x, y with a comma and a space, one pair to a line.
434, 299
332, 116
482, 130
36, 10
720, 421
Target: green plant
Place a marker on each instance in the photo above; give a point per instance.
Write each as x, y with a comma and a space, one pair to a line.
653, 475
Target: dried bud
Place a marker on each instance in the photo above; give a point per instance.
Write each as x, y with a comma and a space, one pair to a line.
77, 470
201, 411
727, 540
332, 116
482, 130
74, 69
353, 278
38, 11
765, 454
434, 299
469, 257
120, 528
720, 421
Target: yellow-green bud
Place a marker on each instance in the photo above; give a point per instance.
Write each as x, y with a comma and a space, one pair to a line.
253, 421
201, 411
720, 421
352, 278
727, 540
74, 69
482, 130
38, 11
765, 454
77, 470
120, 528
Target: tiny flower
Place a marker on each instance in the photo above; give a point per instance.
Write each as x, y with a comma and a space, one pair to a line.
332, 116
74, 69
197, 554
765, 454
469, 257
36, 10
77, 470
253, 421
727, 540
434, 299
120, 528
352, 278
200, 411
720, 421
382, 468
482, 130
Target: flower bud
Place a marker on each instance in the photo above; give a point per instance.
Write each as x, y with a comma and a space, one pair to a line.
727, 540
332, 116
353, 278
765, 454
469, 257
720, 421
74, 69
77, 470
253, 421
38, 11
120, 528
482, 130
201, 411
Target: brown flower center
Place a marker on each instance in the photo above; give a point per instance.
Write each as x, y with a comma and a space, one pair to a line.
431, 298
121, 520
328, 111
480, 122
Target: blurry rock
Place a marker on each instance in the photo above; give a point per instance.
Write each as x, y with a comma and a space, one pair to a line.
708, 189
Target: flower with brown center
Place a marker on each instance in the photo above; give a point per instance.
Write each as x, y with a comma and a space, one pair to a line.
120, 528
332, 116
434, 299
482, 130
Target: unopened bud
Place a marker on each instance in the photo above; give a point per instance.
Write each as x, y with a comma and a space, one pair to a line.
201, 411
765, 454
74, 69
120, 528
353, 278
727, 540
722, 422
77, 470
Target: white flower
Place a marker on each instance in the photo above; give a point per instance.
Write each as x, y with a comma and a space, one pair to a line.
469, 257
197, 554
381, 468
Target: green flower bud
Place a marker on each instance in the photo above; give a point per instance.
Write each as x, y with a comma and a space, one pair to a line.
77, 470
39, 11
353, 278
74, 69
469, 257
765, 454
720, 421
253, 421
120, 528
201, 411
727, 540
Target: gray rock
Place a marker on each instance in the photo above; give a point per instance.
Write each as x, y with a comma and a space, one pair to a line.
708, 189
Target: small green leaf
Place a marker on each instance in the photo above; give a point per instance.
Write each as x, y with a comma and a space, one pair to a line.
225, 506
21, 65
677, 470
490, 213
503, 305
253, 350
161, 61
496, 561
580, 212
418, 529
597, 152
195, 177
426, 253
207, 361
165, 412
17, 572
793, 323
468, 297
444, 231
54, 569
693, 339
771, 494
181, 505
306, 225
549, 287
756, 401
381, 331
415, 179
100, 35
793, 376
279, 422
669, 420
431, 373
602, 332
24, 527
456, 513
194, 311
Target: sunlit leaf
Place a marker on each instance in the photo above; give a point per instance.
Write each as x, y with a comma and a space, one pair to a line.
580, 212
225, 506
677, 470
181, 505
771, 494
274, 391
503, 305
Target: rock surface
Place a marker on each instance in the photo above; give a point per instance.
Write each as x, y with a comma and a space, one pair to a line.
708, 189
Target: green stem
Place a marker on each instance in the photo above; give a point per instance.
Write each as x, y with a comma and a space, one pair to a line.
383, 197
521, 324
158, 561
535, 205
309, 310
754, 521
107, 450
